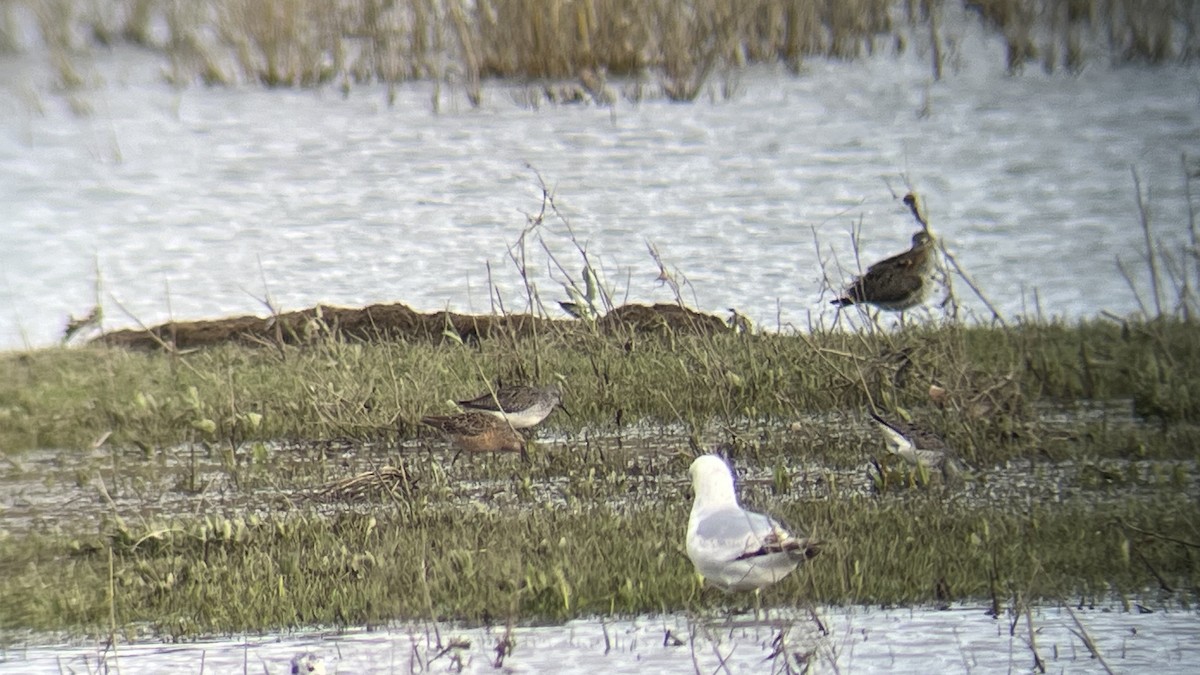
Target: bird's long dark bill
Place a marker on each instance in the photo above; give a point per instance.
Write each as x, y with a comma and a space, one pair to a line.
885, 423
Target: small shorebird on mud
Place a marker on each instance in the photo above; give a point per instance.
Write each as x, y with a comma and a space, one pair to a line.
897, 283
920, 447
478, 432
735, 549
521, 406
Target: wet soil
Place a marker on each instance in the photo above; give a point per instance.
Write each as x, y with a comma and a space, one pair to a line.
400, 322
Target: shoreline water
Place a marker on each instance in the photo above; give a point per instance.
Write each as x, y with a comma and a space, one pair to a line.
960, 639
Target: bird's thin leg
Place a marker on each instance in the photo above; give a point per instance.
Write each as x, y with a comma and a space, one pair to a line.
812, 613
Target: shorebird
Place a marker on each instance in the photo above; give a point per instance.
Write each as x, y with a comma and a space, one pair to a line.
735, 549
308, 663
521, 406
896, 283
919, 447
478, 432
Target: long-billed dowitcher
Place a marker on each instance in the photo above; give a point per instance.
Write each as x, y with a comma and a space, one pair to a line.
735, 549
896, 283
478, 432
919, 446
522, 406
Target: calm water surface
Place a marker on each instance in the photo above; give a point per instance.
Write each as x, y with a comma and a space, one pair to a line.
200, 203
960, 640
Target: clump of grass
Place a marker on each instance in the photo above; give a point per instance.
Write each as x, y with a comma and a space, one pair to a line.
1173, 268
1160, 389
390, 481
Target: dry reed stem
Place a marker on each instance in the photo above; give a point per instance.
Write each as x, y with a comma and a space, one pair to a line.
1083, 635
1194, 254
1151, 259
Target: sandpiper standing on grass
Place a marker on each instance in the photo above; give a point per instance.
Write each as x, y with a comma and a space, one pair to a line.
919, 447
478, 432
521, 406
896, 283
735, 549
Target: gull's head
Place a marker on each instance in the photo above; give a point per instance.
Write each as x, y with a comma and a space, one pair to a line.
712, 481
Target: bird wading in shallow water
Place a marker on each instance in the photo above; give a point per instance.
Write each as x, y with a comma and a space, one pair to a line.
522, 406
920, 447
478, 432
732, 548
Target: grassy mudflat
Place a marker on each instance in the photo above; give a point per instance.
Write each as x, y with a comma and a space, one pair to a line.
365, 390
213, 491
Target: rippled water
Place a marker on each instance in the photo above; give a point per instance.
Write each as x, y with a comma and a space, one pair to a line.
198, 203
960, 640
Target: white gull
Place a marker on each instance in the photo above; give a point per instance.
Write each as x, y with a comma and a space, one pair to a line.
735, 549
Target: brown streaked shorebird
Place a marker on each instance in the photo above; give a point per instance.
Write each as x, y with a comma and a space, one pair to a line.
478, 432
896, 283
919, 447
521, 406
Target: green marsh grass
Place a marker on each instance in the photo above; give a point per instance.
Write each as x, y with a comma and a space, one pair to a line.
214, 574
243, 437
69, 397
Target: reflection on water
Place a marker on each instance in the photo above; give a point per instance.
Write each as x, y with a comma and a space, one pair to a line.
856, 640
203, 202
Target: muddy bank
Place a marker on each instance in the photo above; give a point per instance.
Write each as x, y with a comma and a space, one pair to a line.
399, 322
